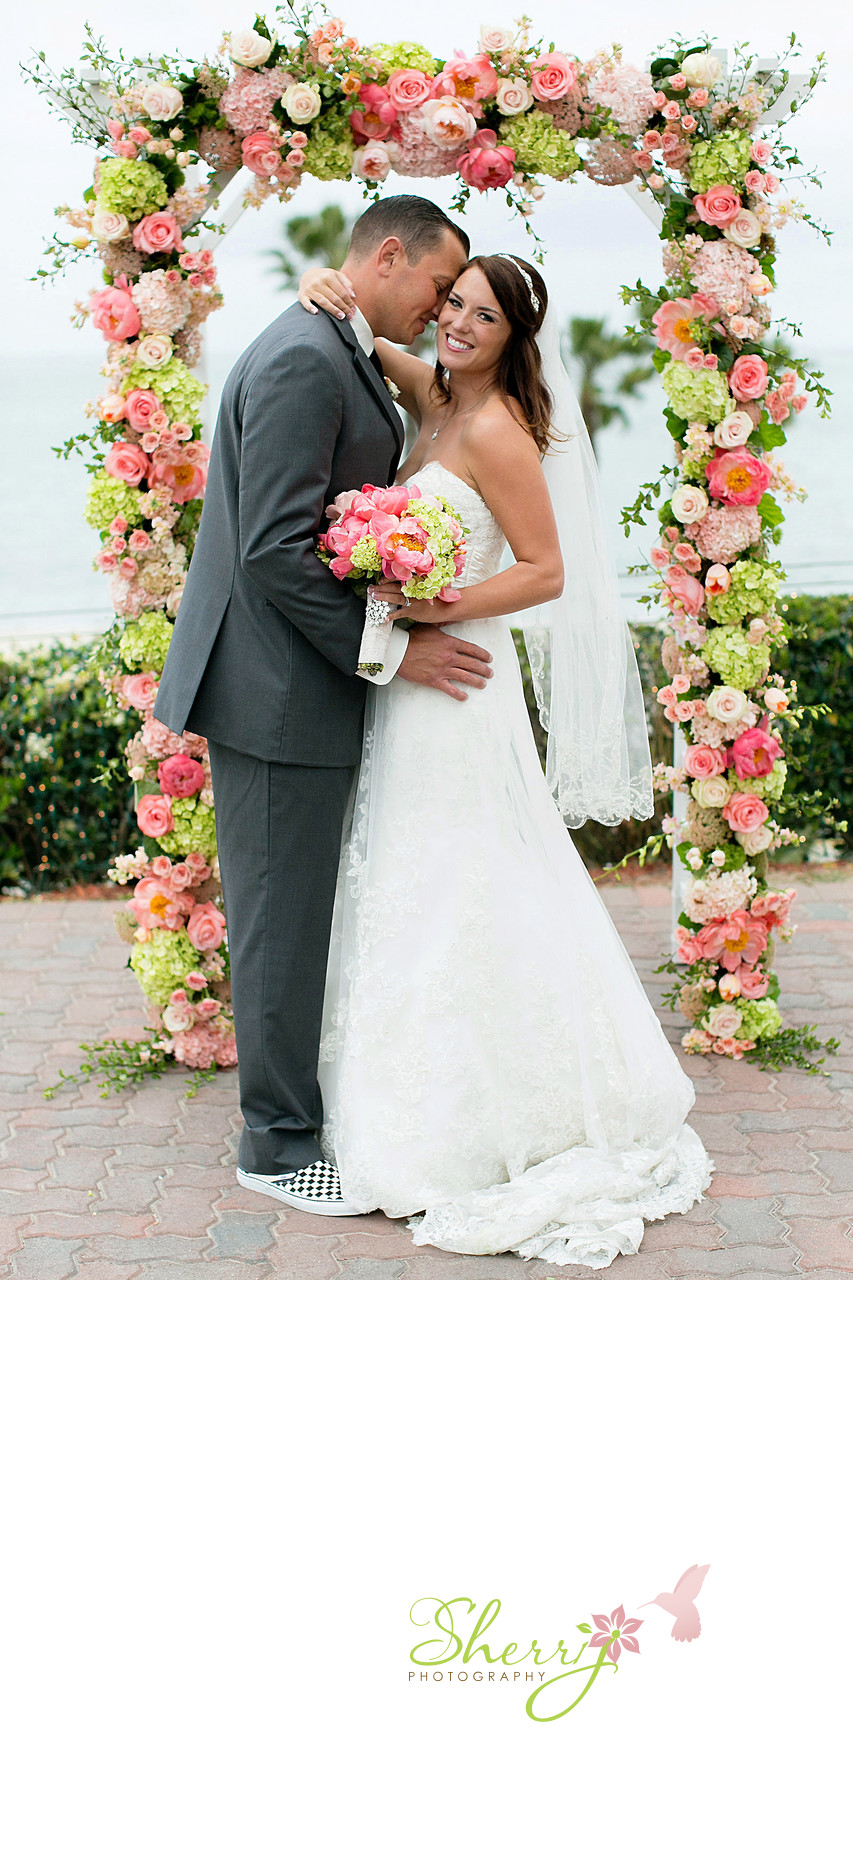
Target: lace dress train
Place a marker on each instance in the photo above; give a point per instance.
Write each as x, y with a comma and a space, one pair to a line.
489, 1056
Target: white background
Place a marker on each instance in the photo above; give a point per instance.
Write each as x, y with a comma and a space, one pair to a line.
222, 1500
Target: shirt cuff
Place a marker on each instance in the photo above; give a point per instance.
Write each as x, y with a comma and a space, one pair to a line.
394, 659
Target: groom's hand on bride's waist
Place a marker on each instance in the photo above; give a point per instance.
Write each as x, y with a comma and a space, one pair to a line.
433, 658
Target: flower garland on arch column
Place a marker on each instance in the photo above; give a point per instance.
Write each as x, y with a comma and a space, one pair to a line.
509, 116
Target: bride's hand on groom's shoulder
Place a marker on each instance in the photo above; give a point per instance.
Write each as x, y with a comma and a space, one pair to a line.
321, 288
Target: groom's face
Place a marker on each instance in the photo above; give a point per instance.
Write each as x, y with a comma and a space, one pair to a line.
413, 295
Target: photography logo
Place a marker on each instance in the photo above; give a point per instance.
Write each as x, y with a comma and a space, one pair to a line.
561, 1680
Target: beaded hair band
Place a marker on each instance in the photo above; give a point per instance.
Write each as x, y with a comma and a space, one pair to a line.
525, 275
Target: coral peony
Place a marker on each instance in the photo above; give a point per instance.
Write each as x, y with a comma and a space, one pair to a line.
486, 163
114, 314
755, 752
738, 477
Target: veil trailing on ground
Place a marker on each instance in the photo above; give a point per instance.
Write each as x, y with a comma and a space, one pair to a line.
584, 668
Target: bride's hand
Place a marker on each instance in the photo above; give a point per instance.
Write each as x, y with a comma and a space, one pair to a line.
321, 288
436, 612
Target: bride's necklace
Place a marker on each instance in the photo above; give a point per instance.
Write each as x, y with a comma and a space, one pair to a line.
472, 410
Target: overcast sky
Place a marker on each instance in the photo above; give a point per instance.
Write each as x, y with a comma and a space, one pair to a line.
596, 238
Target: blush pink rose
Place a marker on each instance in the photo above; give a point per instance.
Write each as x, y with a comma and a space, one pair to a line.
140, 690
744, 812
684, 590
181, 776
154, 816
704, 760
126, 461
195, 980
371, 162
407, 90
487, 163
206, 928
748, 378
755, 752
738, 477
752, 983
261, 153
777, 407
114, 314
141, 406
158, 233
718, 205
552, 76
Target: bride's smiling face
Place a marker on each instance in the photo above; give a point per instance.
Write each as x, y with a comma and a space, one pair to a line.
473, 331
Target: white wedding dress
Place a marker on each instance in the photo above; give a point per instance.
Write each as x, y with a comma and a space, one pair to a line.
489, 1056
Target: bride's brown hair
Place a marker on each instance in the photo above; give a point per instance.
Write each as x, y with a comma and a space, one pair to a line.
516, 283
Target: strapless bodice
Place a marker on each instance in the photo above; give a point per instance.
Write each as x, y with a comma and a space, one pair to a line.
485, 541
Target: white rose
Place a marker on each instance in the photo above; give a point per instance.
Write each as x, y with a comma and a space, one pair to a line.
702, 70
513, 96
496, 39
109, 226
178, 1016
689, 503
755, 840
153, 350
711, 792
724, 1021
249, 48
726, 704
372, 162
744, 230
161, 102
302, 102
735, 430
447, 122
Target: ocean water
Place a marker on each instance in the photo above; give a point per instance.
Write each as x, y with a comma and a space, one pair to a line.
49, 590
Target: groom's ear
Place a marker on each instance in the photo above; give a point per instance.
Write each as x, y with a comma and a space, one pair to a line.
388, 255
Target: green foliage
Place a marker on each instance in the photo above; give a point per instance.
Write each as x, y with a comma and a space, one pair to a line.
119, 1064
819, 656
58, 824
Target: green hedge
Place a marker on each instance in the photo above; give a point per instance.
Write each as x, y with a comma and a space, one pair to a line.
57, 731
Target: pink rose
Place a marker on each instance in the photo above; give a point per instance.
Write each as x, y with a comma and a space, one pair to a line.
686, 554
761, 152
206, 928
777, 407
126, 461
702, 760
752, 983
180, 776
744, 812
141, 406
407, 90
659, 558
552, 76
755, 752
748, 378
154, 816
671, 112
738, 477
486, 163
195, 980
158, 233
371, 162
684, 590
208, 1007
114, 314
261, 153
140, 690
718, 205
754, 182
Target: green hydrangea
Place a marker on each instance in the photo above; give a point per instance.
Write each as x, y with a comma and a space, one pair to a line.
194, 830
331, 145
130, 188
739, 662
404, 56
110, 498
431, 513
161, 964
696, 394
180, 391
540, 147
760, 1018
145, 642
769, 787
366, 558
753, 590
725, 158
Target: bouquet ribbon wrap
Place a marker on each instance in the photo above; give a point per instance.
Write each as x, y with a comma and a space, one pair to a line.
376, 639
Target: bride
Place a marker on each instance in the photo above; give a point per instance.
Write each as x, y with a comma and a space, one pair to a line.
489, 1057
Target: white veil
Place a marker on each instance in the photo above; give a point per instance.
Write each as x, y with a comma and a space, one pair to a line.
582, 659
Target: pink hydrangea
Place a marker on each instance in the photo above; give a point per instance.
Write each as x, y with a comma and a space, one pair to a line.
413, 151
609, 163
197, 1047
628, 95
249, 98
163, 299
158, 740
726, 532
726, 272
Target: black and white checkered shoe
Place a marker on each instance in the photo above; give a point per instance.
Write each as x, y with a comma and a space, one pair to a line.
316, 1187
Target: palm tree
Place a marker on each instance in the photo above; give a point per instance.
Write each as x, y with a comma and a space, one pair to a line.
320, 238
590, 350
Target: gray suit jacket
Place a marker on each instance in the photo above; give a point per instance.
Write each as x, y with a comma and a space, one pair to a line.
265, 645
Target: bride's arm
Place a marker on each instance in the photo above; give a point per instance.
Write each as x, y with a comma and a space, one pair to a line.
321, 288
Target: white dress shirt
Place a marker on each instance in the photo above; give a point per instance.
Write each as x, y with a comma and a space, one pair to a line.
399, 636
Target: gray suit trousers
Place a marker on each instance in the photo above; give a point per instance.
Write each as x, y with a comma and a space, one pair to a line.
279, 830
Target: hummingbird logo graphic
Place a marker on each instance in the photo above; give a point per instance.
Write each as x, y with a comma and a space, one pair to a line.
681, 1603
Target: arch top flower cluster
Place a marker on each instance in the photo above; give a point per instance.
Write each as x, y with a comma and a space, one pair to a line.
509, 115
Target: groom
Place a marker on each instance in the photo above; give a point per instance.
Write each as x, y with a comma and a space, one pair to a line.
263, 660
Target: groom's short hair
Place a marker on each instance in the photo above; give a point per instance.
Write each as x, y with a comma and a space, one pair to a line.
419, 225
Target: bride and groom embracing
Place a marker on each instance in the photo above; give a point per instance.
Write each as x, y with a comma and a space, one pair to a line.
434, 1012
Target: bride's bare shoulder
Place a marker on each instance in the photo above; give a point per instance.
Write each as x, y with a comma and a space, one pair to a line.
500, 425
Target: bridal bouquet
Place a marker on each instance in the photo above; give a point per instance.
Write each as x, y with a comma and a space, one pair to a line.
392, 532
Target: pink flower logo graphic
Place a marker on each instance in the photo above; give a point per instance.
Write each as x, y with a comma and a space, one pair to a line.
617, 1632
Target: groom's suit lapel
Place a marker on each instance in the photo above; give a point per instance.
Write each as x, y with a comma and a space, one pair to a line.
372, 377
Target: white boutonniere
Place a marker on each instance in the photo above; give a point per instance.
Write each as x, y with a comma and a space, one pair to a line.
392, 388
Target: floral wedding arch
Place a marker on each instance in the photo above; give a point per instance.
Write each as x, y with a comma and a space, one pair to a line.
684, 137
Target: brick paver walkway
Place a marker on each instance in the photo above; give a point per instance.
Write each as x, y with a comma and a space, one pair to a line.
142, 1186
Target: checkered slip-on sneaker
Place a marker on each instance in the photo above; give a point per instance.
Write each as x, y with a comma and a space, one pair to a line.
316, 1187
